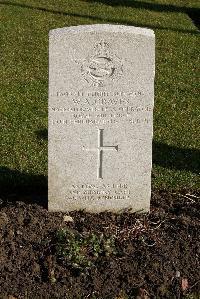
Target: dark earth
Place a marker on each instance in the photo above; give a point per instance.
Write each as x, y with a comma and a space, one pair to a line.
49, 255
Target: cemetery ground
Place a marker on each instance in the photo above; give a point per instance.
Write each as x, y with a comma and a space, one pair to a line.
54, 255
50, 255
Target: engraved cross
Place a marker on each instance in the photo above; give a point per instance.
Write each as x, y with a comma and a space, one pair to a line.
101, 148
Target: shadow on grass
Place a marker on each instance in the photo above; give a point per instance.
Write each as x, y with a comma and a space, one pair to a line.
195, 17
42, 134
172, 157
17, 185
193, 13
158, 7
137, 4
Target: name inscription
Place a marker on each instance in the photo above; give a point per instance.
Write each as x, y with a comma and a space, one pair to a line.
100, 107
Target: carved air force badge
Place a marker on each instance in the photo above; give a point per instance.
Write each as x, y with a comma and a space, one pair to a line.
102, 66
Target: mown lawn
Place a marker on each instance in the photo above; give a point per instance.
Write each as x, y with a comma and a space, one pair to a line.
24, 86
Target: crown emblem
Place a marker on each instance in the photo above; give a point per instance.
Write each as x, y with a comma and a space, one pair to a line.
102, 48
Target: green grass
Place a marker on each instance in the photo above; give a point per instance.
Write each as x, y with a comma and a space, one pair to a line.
24, 91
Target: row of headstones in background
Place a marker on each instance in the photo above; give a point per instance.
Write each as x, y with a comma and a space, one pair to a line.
101, 92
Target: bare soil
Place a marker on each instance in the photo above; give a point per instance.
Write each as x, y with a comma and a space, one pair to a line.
157, 254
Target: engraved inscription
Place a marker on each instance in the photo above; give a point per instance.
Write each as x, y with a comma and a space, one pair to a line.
130, 93
102, 108
101, 192
101, 148
100, 121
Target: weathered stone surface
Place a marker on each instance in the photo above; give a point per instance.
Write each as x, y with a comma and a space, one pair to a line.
101, 90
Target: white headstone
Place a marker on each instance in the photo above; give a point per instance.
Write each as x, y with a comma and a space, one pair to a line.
101, 91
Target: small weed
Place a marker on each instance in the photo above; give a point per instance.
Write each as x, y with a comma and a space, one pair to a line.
79, 251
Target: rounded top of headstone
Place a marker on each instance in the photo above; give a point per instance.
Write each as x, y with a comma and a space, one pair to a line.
103, 27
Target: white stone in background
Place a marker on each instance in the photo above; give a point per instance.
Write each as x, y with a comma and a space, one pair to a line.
101, 91
68, 218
